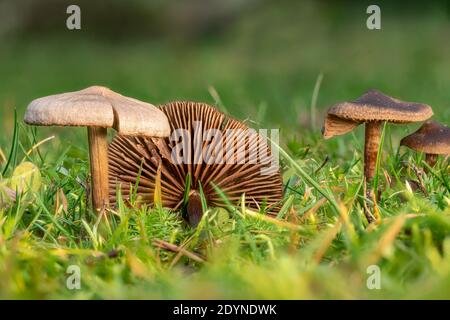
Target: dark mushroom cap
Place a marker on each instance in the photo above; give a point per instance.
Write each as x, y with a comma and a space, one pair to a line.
127, 153
372, 106
432, 138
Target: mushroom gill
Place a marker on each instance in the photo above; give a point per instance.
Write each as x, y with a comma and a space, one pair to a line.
205, 147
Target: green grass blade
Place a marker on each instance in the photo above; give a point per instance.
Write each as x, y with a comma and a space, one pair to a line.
308, 178
187, 189
13, 152
379, 155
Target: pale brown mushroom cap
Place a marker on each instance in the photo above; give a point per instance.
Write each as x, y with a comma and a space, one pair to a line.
432, 138
372, 106
98, 106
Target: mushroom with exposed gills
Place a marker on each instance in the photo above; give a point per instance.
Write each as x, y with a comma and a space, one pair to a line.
98, 108
373, 108
433, 138
205, 163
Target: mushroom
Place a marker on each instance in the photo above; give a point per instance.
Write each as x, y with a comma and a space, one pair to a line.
373, 108
433, 138
207, 136
98, 108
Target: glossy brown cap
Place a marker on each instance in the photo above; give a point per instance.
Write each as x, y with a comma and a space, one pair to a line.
372, 106
98, 106
432, 138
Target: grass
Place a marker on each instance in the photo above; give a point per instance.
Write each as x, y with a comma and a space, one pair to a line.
321, 244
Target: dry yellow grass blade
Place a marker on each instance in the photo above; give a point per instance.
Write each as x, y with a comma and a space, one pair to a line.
61, 205
345, 219
331, 233
174, 248
292, 217
2, 156
280, 223
157, 198
36, 146
328, 239
307, 194
314, 209
137, 267
67, 252
386, 241
61, 202
376, 211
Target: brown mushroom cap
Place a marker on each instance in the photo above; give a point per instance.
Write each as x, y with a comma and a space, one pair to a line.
98, 106
372, 106
432, 138
127, 153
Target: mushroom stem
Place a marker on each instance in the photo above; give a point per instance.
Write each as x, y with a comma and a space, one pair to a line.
431, 159
372, 143
194, 209
98, 154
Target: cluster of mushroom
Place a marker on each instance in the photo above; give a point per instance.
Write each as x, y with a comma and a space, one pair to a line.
373, 109
141, 154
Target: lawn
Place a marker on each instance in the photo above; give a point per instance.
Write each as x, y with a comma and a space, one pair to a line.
273, 67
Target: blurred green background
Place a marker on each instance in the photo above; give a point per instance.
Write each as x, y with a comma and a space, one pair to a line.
263, 58
260, 61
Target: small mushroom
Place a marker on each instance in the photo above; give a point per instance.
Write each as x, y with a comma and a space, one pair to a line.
373, 108
98, 108
433, 138
205, 161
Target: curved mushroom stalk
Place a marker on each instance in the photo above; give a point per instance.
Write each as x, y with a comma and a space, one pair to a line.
98, 156
371, 147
